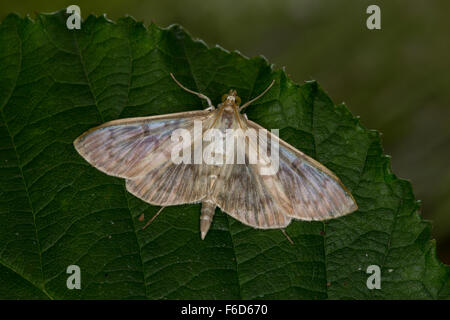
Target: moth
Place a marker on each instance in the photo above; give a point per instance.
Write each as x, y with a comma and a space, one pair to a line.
140, 150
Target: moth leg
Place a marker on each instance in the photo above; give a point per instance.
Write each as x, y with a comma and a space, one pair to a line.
153, 218
198, 94
286, 235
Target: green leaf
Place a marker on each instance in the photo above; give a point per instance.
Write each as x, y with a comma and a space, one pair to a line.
56, 210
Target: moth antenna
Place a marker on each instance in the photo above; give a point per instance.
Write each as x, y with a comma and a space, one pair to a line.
245, 105
286, 235
198, 94
153, 218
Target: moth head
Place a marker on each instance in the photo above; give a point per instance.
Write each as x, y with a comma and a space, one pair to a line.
231, 98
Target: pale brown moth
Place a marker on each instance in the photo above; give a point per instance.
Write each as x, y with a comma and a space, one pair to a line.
139, 150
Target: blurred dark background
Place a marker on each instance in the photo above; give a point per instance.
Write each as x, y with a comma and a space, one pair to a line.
396, 78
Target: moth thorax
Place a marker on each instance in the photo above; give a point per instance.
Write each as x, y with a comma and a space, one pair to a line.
206, 216
228, 108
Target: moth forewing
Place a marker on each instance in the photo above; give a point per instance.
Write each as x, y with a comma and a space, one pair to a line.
125, 148
314, 192
175, 182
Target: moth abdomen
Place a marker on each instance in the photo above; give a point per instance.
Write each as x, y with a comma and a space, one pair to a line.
206, 216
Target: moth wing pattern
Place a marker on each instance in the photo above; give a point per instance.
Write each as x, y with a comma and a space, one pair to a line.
303, 187
241, 192
139, 150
